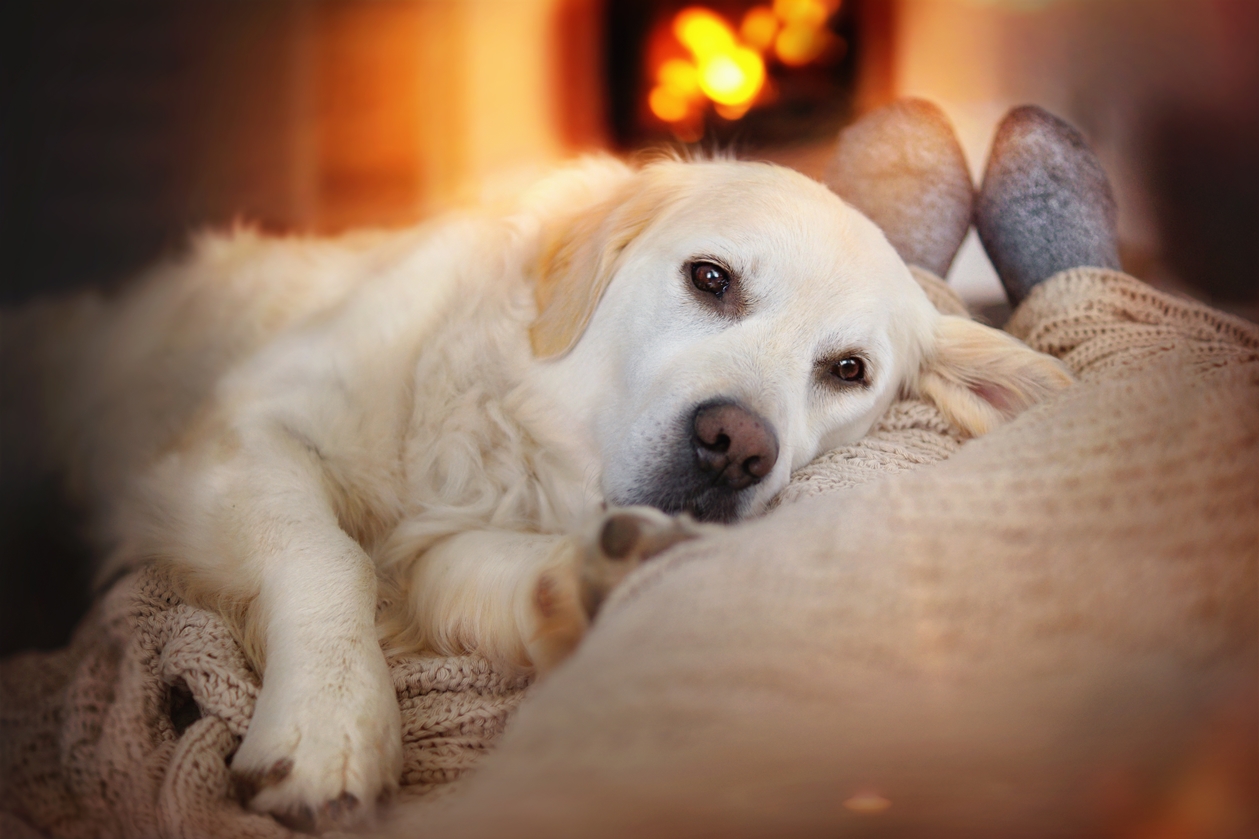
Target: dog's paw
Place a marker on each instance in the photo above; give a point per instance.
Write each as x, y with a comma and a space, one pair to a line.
623, 540
568, 594
321, 758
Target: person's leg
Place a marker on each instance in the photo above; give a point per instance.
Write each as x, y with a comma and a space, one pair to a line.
989, 647
1045, 204
1046, 210
902, 166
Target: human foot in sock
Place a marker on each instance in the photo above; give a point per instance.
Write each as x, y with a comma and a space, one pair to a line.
902, 166
1045, 204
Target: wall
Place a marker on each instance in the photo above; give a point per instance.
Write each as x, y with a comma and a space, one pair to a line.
123, 125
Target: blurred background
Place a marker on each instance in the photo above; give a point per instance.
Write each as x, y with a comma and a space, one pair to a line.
125, 124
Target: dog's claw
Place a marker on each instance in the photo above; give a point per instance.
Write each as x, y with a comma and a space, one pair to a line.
317, 757
336, 813
249, 783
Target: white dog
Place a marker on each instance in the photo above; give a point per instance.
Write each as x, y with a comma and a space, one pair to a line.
303, 428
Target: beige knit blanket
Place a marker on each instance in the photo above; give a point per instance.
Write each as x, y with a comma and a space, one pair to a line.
129, 730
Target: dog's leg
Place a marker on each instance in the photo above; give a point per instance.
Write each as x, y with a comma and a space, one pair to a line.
325, 738
510, 596
528, 598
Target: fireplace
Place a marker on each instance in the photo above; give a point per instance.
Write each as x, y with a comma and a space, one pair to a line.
751, 74
123, 126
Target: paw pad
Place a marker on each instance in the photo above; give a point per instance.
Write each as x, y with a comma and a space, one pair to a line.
619, 535
625, 539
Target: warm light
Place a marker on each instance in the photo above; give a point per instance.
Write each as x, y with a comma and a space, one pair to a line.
667, 105
798, 44
805, 12
726, 66
680, 77
731, 112
759, 27
703, 32
732, 78
867, 802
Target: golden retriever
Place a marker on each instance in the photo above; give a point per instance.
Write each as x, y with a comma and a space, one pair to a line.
431, 418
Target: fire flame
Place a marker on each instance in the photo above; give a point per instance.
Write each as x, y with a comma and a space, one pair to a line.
726, 66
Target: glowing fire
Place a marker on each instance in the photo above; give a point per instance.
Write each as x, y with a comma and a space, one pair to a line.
726, 66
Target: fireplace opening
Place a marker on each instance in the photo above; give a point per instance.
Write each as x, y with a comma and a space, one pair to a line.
747, 74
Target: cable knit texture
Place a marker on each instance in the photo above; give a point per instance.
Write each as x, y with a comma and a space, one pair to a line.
128, 731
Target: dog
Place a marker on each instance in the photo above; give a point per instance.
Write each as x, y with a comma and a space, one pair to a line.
484, 423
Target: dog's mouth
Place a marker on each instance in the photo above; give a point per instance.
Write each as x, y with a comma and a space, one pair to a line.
708, 504
711, 503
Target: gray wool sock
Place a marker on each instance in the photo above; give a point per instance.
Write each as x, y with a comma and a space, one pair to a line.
1045, 204
901, 166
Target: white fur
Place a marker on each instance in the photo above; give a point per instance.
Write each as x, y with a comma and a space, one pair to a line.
298, 427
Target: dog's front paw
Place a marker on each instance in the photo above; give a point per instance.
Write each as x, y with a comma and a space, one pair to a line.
624, 539
319, 756
568, 595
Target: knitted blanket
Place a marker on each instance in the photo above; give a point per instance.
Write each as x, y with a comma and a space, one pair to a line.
129, 730
1054, 632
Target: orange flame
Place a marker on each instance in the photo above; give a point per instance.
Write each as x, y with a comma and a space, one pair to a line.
727, 67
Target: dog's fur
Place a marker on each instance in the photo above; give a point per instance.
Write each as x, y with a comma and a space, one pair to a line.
300, 428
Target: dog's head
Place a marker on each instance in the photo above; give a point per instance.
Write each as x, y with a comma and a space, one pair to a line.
718, 324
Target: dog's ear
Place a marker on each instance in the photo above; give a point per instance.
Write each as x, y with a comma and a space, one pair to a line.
580, 254
979, 377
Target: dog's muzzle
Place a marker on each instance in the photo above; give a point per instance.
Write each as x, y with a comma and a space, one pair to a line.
724, 449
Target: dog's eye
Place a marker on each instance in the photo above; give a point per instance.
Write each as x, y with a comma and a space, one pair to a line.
850, 369
710, 278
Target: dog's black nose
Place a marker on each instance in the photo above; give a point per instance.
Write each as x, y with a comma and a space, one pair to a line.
733, 444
